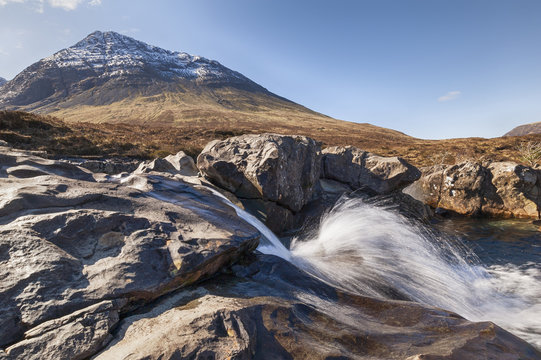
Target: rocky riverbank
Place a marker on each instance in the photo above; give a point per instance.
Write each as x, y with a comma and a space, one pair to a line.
155, 264
498, 189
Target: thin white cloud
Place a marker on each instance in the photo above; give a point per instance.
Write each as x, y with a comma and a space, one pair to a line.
5, 2
65, 4
451, 95
130, 31
38, 5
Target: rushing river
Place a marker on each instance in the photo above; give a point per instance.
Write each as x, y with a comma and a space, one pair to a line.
479, 269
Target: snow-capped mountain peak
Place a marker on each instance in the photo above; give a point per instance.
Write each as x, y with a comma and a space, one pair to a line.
112, 54
117, 64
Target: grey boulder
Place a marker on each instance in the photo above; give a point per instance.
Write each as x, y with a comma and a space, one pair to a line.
363, 170
278, 168
180, 163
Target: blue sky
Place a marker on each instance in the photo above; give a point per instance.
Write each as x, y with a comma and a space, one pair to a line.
431, 68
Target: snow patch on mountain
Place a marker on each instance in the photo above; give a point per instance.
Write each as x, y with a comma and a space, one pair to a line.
110, 54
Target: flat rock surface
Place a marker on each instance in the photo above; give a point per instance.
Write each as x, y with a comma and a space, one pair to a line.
68, 242
363, 170
236, 317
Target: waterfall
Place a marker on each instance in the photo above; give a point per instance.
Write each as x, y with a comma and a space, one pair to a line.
367, 250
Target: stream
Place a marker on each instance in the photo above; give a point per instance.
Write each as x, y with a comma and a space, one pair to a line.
483, 270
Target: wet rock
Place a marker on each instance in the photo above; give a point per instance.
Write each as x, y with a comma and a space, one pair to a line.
275, 217
278, 168
502, 189
302, 319
68, 242
360, 169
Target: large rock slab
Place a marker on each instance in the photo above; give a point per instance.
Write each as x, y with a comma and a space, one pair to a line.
278, 168
68, 242
363, 170
500, 189
26, 165
302, 319
76, 336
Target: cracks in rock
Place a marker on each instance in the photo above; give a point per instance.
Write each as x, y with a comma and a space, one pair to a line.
442, 183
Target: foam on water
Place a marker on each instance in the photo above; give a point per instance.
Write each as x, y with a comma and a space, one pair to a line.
520, 309
367, 250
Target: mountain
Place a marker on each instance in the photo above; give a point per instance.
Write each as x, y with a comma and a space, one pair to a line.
2, 81
109, 77
112, 78
527, 129
110, 62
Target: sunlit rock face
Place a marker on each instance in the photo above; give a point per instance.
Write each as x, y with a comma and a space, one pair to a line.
361, 169
273, 174
278, 168
500, 189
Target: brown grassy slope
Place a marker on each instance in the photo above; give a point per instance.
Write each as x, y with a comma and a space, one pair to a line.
222, 109
29, 131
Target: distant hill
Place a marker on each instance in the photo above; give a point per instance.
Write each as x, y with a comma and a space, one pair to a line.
2, 81
527, 129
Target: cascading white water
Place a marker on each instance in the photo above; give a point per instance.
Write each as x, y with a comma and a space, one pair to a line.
371, 251
270, 244
367, 250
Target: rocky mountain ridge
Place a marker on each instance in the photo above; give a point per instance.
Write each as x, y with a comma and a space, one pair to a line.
109, 60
